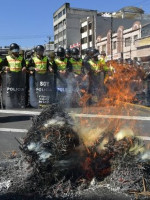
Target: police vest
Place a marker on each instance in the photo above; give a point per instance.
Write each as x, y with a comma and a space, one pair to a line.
15, 64
95, 65
76, 65
61, 64
105, 67
40, 64
27, 62
1, 60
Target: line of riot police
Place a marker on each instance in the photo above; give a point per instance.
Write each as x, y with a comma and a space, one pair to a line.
38, 80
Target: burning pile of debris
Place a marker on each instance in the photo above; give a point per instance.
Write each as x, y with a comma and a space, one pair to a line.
57, 163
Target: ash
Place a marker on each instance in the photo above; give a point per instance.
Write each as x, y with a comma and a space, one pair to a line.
55, 164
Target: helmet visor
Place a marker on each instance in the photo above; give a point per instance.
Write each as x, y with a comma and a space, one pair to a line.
15, 50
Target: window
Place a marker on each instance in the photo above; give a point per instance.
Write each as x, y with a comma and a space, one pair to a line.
61, 43
60, 24
104, 47
64, 32
55, 18
60, 34
83, 52
90, 38
59, 14
64, 42
56, 37
135, 38
114, 45
55, 28
90, 25
127, 42
64, 22
64, 11
84, 40
83, 29
56, 45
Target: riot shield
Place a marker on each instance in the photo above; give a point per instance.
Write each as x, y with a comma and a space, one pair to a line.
61, 88
44, 85
13, 90
33, 101
70, 89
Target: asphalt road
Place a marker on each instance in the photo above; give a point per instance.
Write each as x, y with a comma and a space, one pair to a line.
15, 124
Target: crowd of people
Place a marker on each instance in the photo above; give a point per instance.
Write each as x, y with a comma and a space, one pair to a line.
71, 76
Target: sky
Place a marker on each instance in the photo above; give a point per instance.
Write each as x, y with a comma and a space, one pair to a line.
30, 22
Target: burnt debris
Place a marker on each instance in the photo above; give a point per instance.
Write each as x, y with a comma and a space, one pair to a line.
56, 164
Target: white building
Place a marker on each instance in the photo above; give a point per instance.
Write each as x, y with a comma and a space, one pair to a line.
66, 22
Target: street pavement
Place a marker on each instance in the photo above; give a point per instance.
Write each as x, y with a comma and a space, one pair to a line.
15, 124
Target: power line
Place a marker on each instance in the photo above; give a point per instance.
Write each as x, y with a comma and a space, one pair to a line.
24, 37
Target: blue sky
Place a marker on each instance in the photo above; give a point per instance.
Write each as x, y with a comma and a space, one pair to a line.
30, 22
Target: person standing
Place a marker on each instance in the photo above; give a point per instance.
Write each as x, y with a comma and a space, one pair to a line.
38, 68
62, 68
94, 70
14, 62
14, 80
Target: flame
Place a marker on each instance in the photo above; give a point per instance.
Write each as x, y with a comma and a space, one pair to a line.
118, 100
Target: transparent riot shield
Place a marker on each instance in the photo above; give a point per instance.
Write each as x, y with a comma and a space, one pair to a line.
33, 101
61, 88
13, 90
44, 85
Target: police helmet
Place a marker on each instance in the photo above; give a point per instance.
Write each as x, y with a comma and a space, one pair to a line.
14, 48
61, 52
120, 61
94, 52
68, 51
75, 51
130, 62
39, 48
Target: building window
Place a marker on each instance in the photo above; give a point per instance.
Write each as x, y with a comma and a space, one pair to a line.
64, 22
104, 47
127, 42
90, 38
64, 42
114, 45
83, 29
64, 11
60, 24
90, 25
56, 45
59, 14
61, 43
83, 52
135, 38
55, 18
84, 40
55, 28
56, 37
64, 32
60, 34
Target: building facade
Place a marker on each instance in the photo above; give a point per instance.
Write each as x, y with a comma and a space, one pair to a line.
131, 43
98, 26
66, 22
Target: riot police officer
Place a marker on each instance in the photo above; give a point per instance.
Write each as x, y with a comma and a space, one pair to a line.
77, 63
38, 80
62, 68
95, 70
14, 81
14, 62
39, 63
68, 53
76, 82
